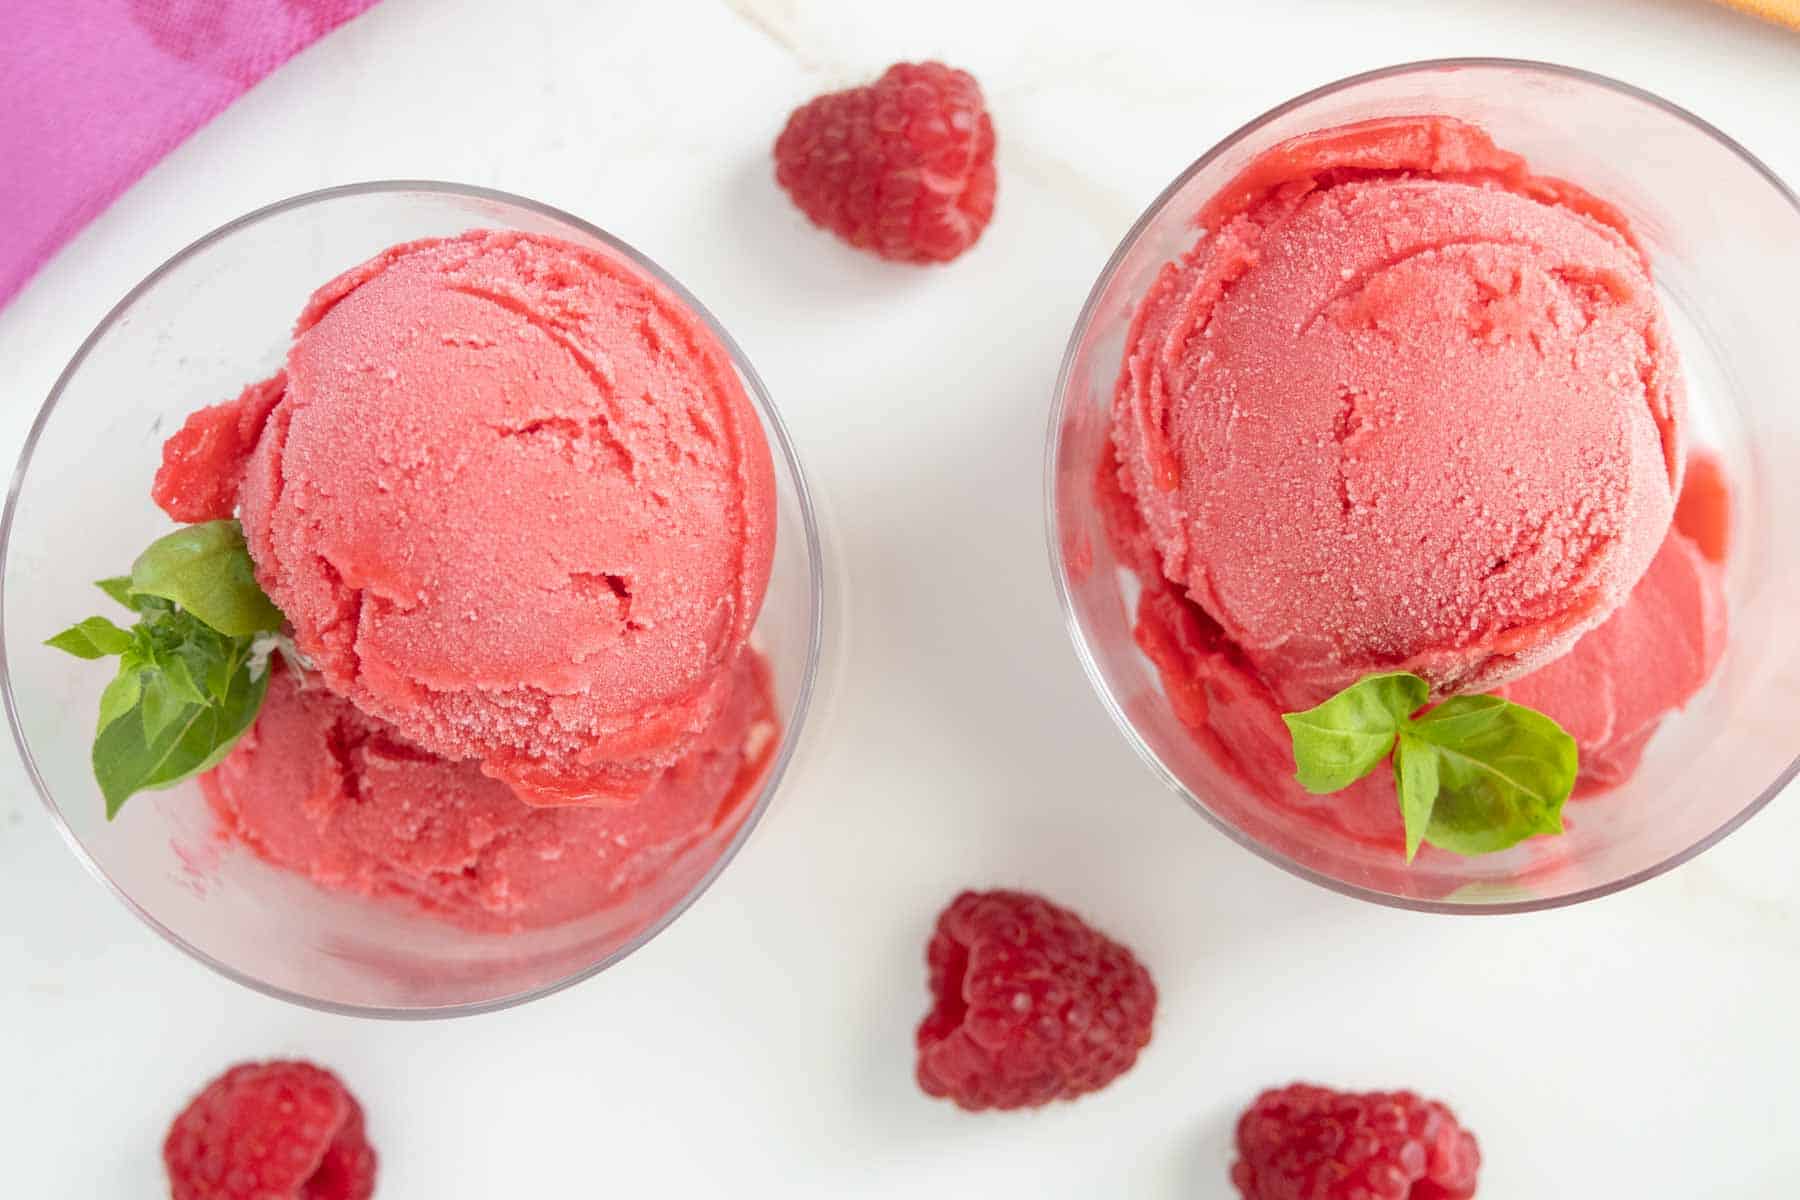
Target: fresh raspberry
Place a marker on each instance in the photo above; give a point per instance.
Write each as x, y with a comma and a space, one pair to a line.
903, 166
1030, 1004
272, 1131
1311, 1143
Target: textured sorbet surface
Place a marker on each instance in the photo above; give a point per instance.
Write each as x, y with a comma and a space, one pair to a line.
321, 789
514, 501
1406, 406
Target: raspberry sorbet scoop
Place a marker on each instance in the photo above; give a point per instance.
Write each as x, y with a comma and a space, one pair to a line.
318, 788
514, 501
1404, 406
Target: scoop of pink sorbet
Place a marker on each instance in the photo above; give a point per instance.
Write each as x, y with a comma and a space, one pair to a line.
1611, 691
319, 788
514, 501
1404, 406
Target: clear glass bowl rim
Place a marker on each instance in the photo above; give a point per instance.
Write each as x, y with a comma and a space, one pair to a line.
1053, 453
759, 396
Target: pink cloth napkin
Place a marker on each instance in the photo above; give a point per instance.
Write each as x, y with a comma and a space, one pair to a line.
94, 92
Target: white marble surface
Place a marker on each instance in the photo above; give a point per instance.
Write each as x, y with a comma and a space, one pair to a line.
1641, 1046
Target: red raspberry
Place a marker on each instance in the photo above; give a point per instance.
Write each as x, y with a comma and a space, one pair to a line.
1030, 1004
1311, 1143
903, 166
272, 1131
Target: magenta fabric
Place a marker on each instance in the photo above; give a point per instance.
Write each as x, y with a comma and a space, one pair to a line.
94, 92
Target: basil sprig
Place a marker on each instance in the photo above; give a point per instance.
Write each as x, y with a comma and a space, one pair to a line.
193, 668
1474, 774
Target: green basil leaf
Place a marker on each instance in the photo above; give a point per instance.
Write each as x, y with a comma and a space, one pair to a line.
1504, 773
1474, 775
179, 679
206, 569
159, 707
1346, 737
1416, 777
118, 587
190, 679
120, 696
95, 637
218, 676
127, 761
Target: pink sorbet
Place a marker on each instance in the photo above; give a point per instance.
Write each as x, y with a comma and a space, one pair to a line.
1614, 688
1610, 692
1404, 406
512, 499
318, 788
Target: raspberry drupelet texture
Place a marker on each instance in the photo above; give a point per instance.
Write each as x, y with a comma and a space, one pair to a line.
1311, 1143
1029, 1004
279, 1130
903, 167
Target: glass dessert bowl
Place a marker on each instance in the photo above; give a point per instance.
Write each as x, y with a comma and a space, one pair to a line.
213, 319
1721, 237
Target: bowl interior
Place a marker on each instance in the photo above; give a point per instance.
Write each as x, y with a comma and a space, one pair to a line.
213, 319
1724, 238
